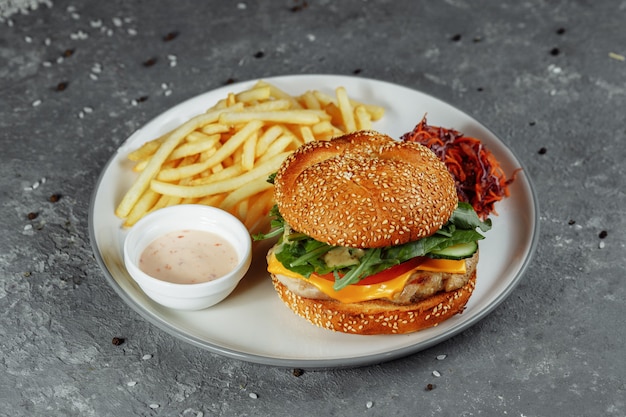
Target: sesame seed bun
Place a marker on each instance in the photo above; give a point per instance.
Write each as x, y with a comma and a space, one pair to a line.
378, 316
365, 190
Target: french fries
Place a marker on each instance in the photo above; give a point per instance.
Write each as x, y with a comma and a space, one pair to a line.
224, 156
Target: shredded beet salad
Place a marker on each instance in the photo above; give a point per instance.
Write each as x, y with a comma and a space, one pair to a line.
480, 181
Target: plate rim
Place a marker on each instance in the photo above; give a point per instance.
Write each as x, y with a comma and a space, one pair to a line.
333, 363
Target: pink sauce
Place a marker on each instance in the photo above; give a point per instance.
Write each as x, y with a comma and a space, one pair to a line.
188, 257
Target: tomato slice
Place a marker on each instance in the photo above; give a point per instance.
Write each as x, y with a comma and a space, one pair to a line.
387, 274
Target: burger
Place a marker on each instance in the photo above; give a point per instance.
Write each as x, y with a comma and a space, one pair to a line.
371, 236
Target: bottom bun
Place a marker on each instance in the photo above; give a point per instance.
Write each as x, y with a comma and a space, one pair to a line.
378, 316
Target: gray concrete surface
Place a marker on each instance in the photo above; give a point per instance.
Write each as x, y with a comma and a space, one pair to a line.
548, 77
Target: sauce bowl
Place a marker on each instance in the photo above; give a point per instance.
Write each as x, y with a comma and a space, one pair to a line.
194, 296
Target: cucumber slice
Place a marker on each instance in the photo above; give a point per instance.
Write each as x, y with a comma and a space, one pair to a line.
460, 251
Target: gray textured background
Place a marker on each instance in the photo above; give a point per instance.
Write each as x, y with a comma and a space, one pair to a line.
540, 74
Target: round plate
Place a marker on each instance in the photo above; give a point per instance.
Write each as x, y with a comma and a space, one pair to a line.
252, 324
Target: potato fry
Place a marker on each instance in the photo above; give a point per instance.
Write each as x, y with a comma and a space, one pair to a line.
278, 146
363, 118
253, 94
225, 151
219, 175
253, 187
267, 138
323, 98
325, 128
195, 147
347, 112
310, 101
231, 100
224, 156
162, 202
248, 152
144, 204
377, 112
307, 134
274, 105
213, 200
258, 208
140, 165
151, 170
304, 117
214, 128
196, 136
185, 191
146, 150
241, 209
279, 94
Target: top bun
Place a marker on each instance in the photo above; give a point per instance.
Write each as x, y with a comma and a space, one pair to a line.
365, 190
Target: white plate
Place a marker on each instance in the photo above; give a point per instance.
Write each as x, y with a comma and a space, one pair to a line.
253, 324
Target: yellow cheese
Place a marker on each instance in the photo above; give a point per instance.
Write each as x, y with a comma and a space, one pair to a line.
357, 293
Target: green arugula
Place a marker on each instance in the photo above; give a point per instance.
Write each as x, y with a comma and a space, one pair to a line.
304, 255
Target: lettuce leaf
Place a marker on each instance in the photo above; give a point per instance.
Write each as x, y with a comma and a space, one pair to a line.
304, 255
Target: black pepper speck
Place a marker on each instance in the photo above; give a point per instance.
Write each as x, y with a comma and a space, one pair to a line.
150, 62
54, 198
299, 7
32, 215
297, 372
170, 36
542, 151
118, 341
603, 234
571, 222
259, 54
62, 86
430, 387
555, 51
456, 37
560, 31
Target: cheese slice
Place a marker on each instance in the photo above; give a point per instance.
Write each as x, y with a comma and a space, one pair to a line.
357, 293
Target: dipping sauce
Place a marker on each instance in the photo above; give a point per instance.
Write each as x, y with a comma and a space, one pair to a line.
188, 257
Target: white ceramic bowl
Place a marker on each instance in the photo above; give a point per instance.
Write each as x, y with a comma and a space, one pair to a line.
195, 217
